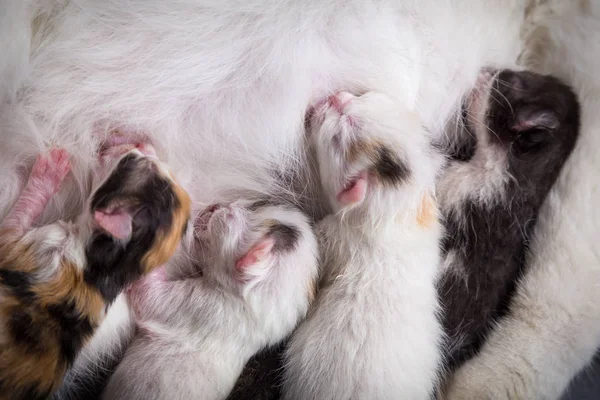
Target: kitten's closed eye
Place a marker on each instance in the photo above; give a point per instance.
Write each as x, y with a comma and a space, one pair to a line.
534, 127
531, 140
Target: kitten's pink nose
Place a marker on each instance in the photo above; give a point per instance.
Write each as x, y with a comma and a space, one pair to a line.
339, 100
147, 149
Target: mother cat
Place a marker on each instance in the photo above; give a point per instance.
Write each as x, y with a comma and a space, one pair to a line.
71, 69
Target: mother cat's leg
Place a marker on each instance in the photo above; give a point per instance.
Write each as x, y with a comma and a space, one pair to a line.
553, 328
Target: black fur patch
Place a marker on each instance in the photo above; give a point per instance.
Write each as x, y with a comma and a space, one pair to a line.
261, 378
262, 203
25, 332
74, 329
30, 392
286, 237
489, 246
390, 168
489, 242
19, 283
113, 264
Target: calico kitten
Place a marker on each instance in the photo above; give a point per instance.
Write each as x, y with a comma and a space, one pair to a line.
56, 281
519, 128
100, 356
374, 332
250, 279
262, 376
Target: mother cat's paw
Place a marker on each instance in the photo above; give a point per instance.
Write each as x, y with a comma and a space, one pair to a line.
484, 379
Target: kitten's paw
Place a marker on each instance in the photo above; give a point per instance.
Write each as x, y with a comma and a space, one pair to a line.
486, 379
50, 169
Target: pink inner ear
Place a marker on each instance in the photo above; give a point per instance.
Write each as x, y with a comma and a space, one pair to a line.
355, 192
117, 223
256, 254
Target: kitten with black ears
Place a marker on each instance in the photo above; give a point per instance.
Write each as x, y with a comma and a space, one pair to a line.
245, 281
374, 331
519, 129
57, 280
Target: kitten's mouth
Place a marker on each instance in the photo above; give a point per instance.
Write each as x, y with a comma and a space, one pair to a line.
354, 188
120, 144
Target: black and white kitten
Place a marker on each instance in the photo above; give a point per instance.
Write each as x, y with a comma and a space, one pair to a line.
517, 131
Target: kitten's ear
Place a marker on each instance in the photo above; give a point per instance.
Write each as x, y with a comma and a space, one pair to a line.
355, 192
253, 264
117, 223
528, 118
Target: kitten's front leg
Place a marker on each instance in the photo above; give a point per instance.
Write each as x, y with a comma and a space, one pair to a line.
47, 175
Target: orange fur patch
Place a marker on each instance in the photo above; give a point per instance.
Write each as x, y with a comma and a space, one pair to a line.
69, 285
166, 243
427, 211
312, 290
39, 369
19, 366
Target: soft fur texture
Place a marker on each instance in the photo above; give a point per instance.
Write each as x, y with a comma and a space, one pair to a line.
251, 279
553, 327
100, 356
374, 332
226, 106
172, 70
517, 130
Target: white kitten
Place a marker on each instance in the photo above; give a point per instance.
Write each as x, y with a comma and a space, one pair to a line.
374, 333
251, 282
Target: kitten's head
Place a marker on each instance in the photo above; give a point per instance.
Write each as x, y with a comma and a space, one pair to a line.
267, 253
369, 151
532, 118
137, 215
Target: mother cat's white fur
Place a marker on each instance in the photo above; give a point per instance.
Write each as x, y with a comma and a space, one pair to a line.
170, 68
203, 75
553, 329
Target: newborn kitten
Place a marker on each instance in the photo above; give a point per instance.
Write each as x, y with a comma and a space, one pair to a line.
373, 333
58, 280
519, 129
100, 356
252, 280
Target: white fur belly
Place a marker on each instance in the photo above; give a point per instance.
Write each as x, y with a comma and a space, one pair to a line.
226, 104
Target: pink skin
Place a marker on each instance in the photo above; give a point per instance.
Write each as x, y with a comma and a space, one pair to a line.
355, 191
120, 143
258, 253
117, 223
117, 151
337, 101
47, 175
